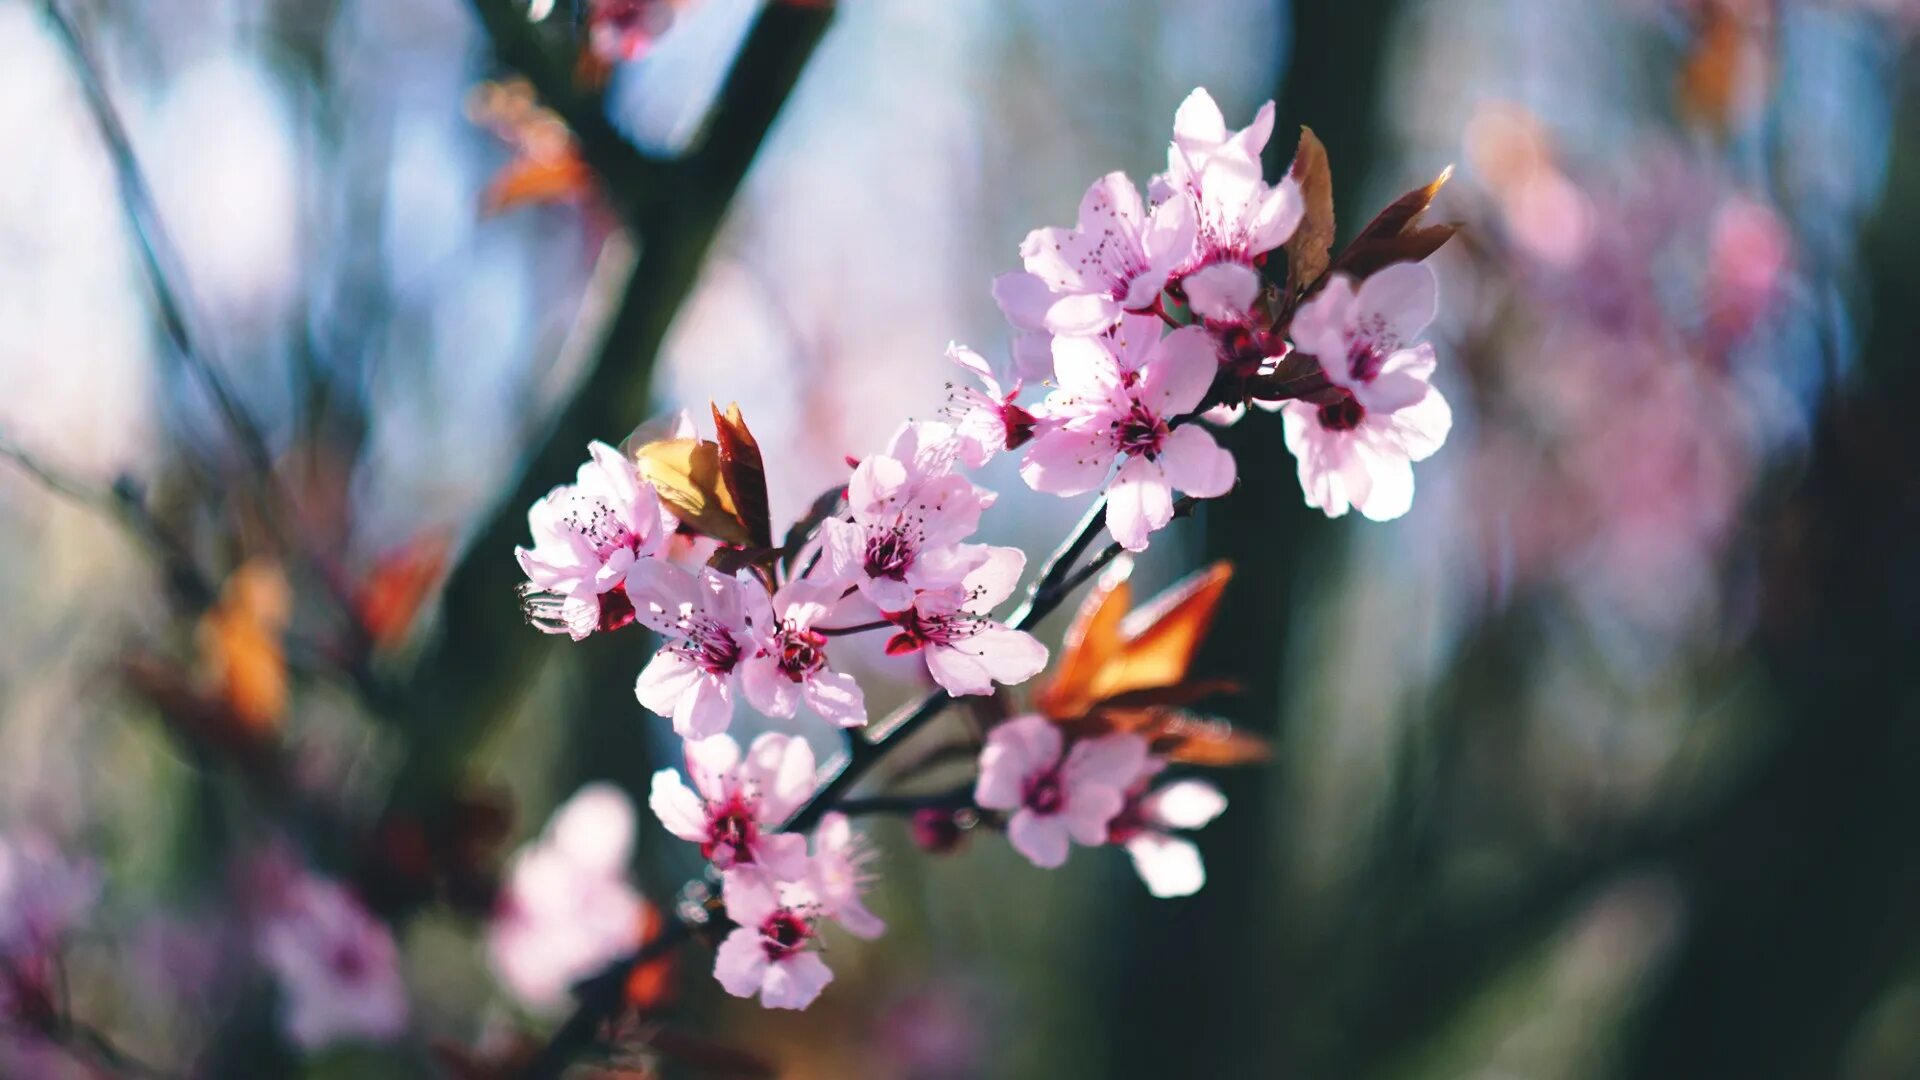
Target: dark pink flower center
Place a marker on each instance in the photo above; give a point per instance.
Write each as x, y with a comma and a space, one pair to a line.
802, 652
784, 933
594, 519
731, 830
1045, 794
1342, 415
889, 554
711, 647
917, 631
1018, 422
348, 962
1365, 356
1140, 432
1130, 822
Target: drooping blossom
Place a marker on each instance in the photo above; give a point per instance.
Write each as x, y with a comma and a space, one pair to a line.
987, 420
566, 908
336, 966
586, 536
965, 650
705, 616
1168, 863
1117, 259
625, 30
44, 897
1054, 798
838, 875
734, 805
1356, 448
908, 509
1238, 216
786, 660
1103, 411
768, 951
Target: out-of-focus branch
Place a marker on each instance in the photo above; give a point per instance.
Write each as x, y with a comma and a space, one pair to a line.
472, 675
158, 256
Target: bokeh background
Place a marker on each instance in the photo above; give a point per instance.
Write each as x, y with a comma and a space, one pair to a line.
1603, 761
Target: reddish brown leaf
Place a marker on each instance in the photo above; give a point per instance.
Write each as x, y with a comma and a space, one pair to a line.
650, 986
1396, 235
1092, 642
1108, 652
744, 473
390, 596
241, 658
1308, 249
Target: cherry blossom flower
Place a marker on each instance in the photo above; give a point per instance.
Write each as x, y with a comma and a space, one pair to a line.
966, 651
566, 908
336, 965
706, 617
1054, 799
734, 805
987, 421
1103, 411
625, 30
1238, 216
909, 508
1168, 863
837, 874
1357, 447
44, 896
767, 952
586, 535
786, 662
1117, 259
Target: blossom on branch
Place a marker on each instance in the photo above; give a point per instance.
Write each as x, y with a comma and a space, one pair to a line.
1356, 444
1146, 826
586, 536
1052, 798
336, 965
704, 616
786, 662
734, 805
967, 652
909, 507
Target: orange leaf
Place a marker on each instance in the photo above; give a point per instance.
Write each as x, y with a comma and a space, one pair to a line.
1106, 654
240, 650
650, 985
687, 473
527, 181
390, 596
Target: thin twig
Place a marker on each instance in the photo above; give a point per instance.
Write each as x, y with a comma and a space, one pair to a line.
157, 252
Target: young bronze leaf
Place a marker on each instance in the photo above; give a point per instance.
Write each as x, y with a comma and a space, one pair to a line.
1308, 250
1162, 637
1396, 235
745, 475
687, 474
1195, 740
1092, 642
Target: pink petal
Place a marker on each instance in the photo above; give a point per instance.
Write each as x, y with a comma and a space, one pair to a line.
781, 855
1082, 313
993, 653
595, 827
1321, 326
1089, 810
1067, 462
1196, 464
1405, 297
706, 709
795, 981
1023, 298
835, 697
994, 576
1114, 761
1222, 292
712, 762
666, 679
781, 769
1043, 840
1180, 371
678, 808
740, 963
1184, 804
1015, 750
1139, 501
1169, 865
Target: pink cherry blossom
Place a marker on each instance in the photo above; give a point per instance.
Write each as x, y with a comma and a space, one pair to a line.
1053, 799
786, 662
1356, 448
1103, 411
734, 805
566, 909
336, 966
965, 650
44, 897
1169, 864
706, 617
1238, 216
908, 506
586, 535
767, 953
837, 874
1117, 259
986, 421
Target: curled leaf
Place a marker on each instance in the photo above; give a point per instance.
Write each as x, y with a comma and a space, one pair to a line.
1308, 251
744, 473
1108, 652
688, 475
1396, 235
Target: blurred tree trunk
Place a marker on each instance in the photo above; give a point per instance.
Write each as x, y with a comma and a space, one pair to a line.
1202, 986
1803, 893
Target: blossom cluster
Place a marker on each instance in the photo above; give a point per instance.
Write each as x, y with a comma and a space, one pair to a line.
1149, 324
